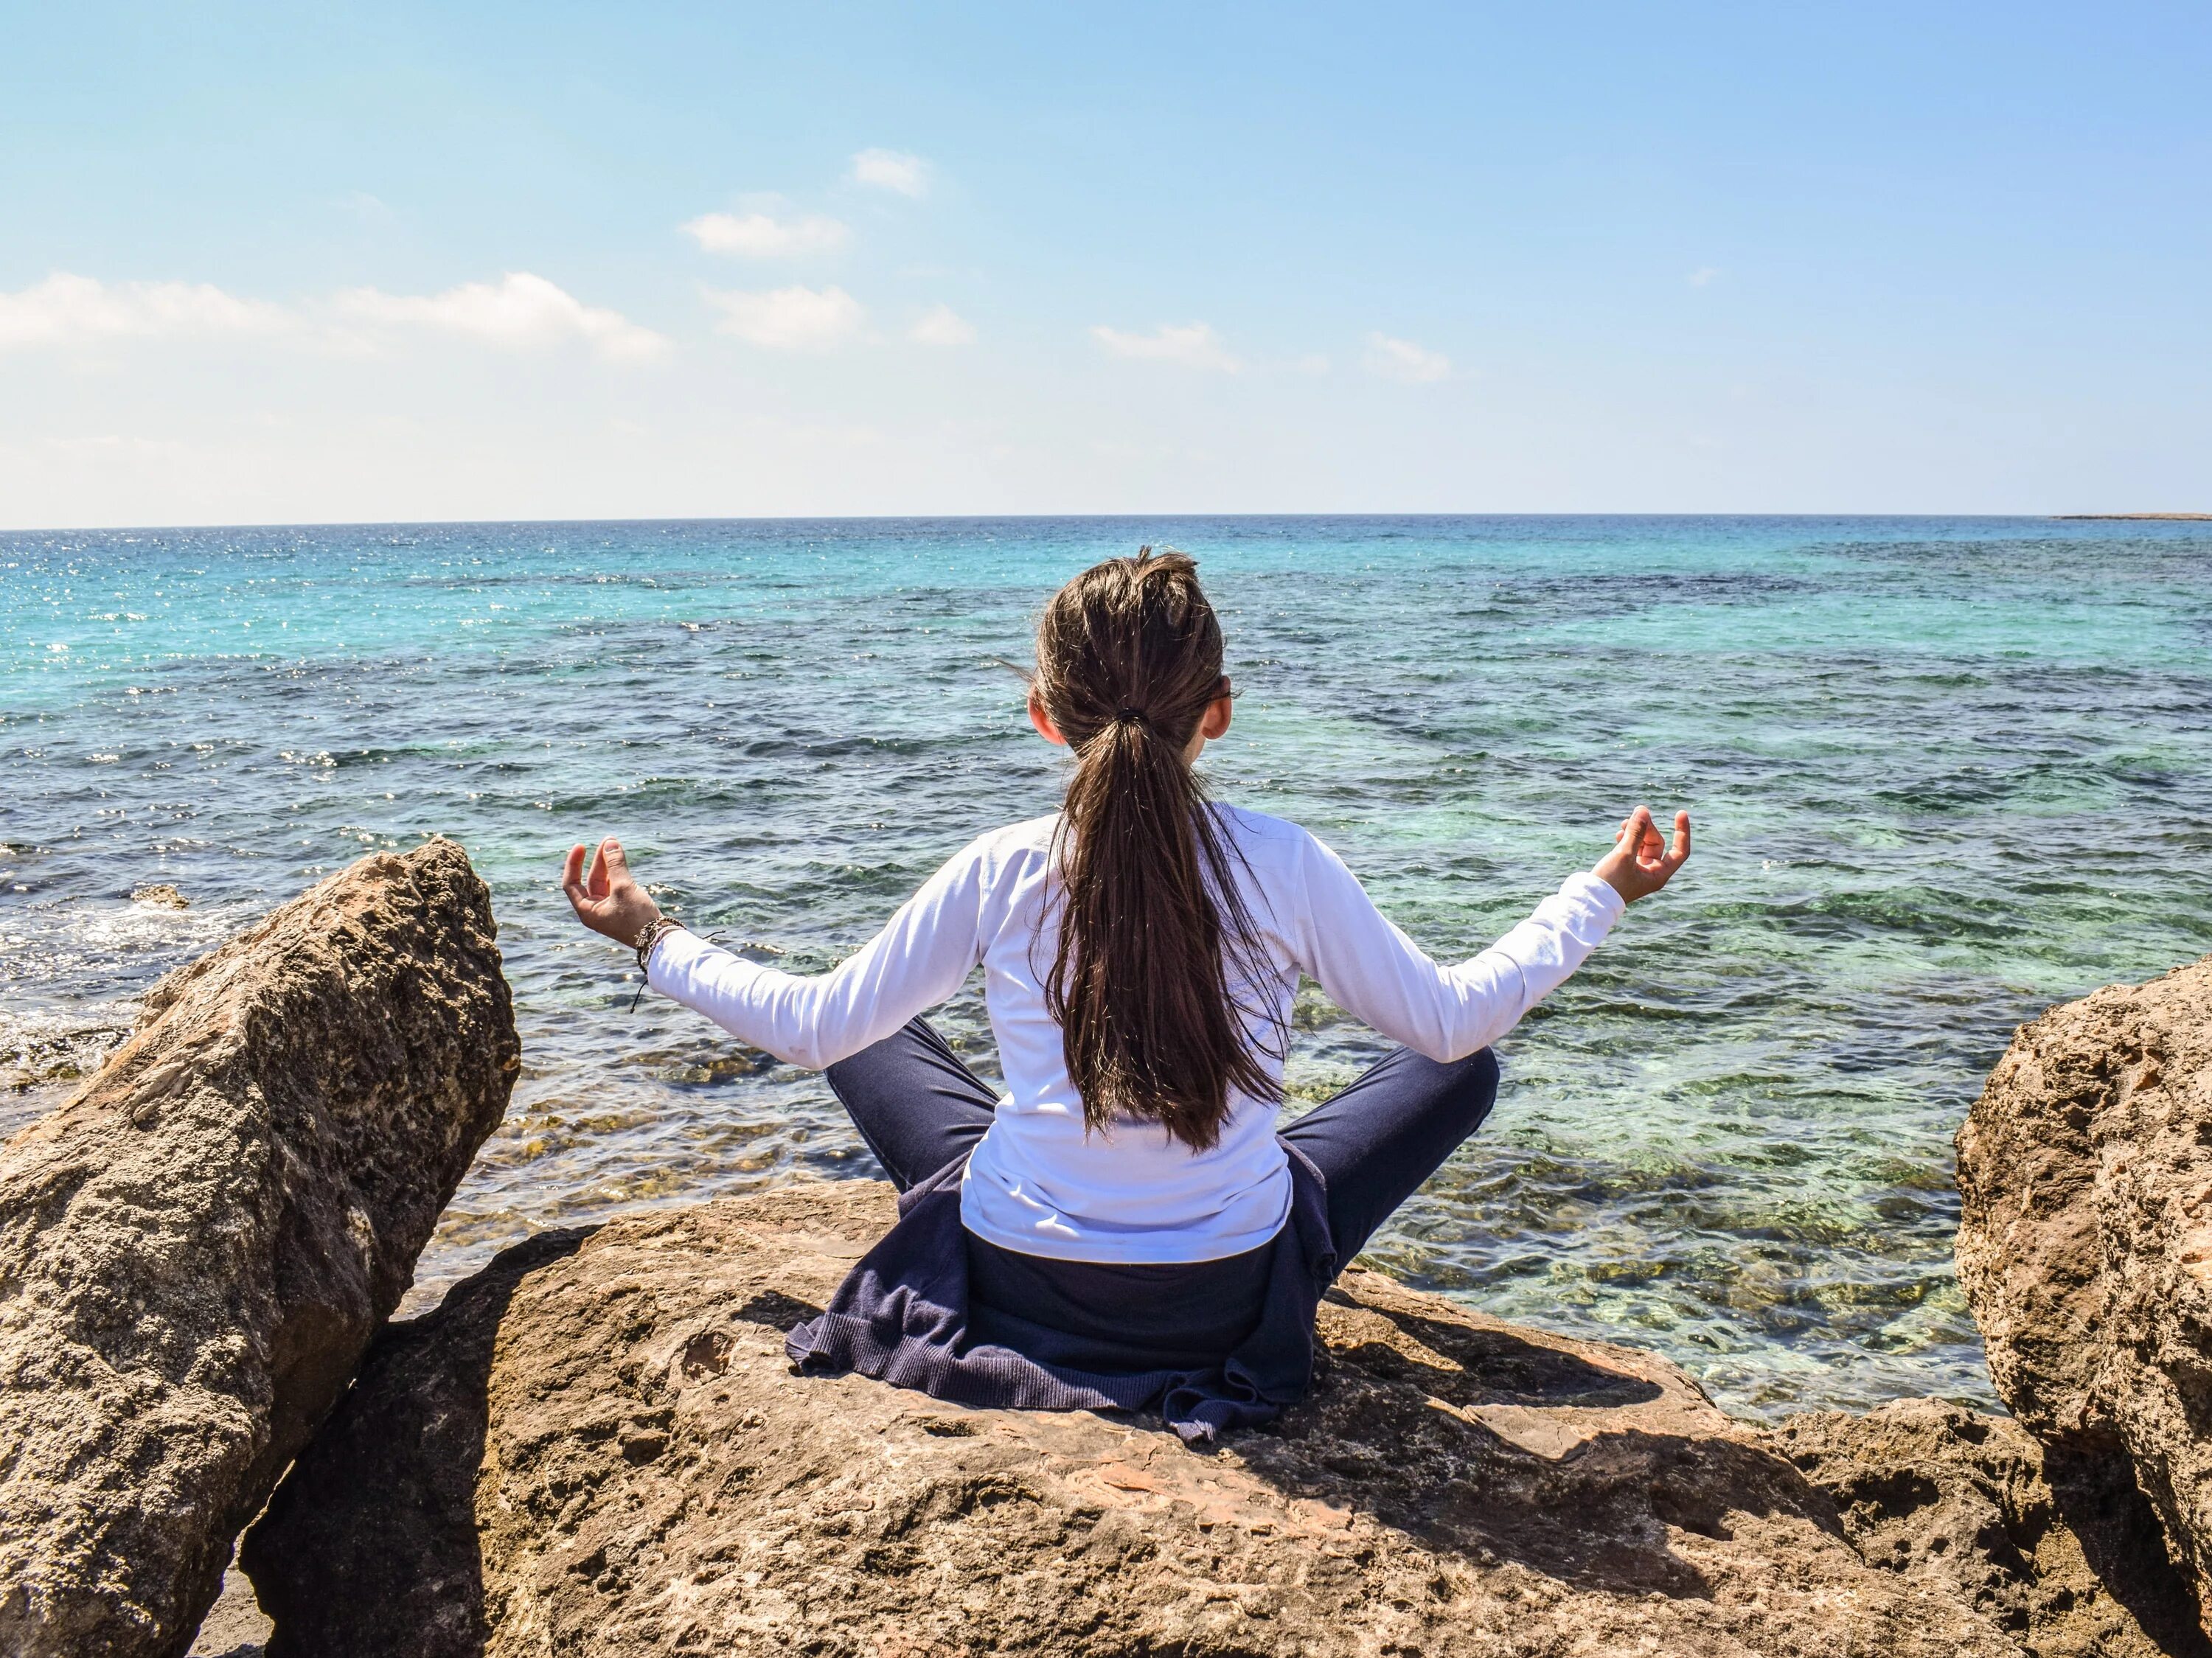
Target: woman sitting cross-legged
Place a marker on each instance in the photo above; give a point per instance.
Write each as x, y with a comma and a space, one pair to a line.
1128, 1229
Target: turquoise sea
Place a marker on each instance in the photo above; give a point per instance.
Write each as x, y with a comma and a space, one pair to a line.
1945, 772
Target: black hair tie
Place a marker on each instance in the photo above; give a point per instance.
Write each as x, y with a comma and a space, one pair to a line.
1132, 716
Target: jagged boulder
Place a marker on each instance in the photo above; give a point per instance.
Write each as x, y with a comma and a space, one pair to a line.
2085, 1238
597, 1445
196, 1248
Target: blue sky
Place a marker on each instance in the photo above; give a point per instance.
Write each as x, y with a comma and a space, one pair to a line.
266, 264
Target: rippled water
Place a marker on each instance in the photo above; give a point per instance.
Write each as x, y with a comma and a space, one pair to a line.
1945, 772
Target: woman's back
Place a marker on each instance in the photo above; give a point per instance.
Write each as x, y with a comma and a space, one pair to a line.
1044, 1181
1041, 1182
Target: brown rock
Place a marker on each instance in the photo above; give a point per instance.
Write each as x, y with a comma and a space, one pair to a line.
596, 1446
235, 1626
2085, 1238
196, 1247
2063, 1553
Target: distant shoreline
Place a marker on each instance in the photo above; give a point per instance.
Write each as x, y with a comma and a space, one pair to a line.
2188, 518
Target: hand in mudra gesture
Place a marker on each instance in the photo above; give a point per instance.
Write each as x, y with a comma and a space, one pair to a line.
609, 899
1640, 862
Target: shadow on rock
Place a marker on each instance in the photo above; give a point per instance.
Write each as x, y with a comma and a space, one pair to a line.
2125, 1548
1493, 1365
409, 1438
2062, 1553
1587, 1464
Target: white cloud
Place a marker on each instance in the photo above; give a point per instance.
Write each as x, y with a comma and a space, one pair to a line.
1193, 345
1704, 275
892, 169
942, 325
789, 319
762, 236
66, 310
518, 312
1402, 360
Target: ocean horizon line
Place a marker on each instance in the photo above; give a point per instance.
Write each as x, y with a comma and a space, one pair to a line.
1494, 516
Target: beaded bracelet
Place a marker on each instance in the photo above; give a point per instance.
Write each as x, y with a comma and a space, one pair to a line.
655, 930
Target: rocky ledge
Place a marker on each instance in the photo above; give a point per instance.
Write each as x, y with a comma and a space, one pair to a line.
597, 1446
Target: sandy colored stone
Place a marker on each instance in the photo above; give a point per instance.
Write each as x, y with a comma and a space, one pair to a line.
2063, 1553
597, 1446
2085, 1238
235, 1626
196, 1247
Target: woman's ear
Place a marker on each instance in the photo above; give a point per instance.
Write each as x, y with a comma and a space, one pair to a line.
1215, 721
1042, 721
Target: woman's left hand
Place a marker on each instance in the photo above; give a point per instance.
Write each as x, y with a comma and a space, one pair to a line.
608, 901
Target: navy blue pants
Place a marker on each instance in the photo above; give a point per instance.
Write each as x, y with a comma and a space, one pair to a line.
918, 1108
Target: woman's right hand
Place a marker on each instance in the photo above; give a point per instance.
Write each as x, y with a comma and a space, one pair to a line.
609, 901
1641, 863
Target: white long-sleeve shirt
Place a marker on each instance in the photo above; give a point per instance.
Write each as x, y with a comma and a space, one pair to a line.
1038, 1183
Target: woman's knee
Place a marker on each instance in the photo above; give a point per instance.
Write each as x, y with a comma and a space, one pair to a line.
1473, 1086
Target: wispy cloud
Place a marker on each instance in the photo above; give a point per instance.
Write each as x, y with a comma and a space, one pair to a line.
1402, 360
789, 319
763, 236
942, 325
67, 310
1192, 345
892, 169
1704, 275
519, 312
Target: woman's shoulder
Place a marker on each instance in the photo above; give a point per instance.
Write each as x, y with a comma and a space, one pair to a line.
1259, 824
1032, 837
1263, 839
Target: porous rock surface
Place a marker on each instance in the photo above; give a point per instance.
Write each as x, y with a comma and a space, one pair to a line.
2085, 1238
2063, 1553
196, 1248
597, 1446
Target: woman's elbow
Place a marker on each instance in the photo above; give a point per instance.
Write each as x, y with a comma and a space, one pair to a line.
1448, 1044
813, 1054
1438, 1041
819, 1048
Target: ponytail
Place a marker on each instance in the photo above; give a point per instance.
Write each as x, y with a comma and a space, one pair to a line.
1128, 661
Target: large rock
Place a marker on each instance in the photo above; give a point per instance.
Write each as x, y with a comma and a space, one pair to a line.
196, 1248
2063, 1553
2085, 1238
596, 1446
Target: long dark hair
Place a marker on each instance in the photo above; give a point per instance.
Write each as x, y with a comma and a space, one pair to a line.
1128, 661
